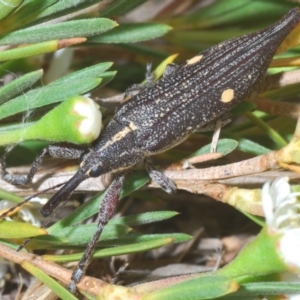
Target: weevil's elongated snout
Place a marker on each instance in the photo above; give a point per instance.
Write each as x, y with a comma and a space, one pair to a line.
63, 194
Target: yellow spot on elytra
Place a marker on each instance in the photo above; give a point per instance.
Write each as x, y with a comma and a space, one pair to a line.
227, 95
194, 59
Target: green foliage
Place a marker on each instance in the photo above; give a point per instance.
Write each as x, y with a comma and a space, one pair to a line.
101, 40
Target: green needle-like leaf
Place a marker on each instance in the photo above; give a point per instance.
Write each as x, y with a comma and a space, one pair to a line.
120, 7
225, 146
145, 218
131, 33
47, 95
93, 71
18, 230
206, 287
10, 196
58, 289
79, 235
8, 6
37, 49
132, 238
57, 9
27, 12
66, 30
121, 250
19, 85
249, 146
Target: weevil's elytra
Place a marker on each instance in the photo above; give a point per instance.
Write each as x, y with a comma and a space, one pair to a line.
185, 99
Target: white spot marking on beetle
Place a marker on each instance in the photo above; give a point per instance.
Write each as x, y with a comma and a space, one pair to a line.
120, 135
161, 115
194, 59
227, 95
249, 76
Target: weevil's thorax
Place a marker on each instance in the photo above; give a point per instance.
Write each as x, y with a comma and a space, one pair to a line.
114, 150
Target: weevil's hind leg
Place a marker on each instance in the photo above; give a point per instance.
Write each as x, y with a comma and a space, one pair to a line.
61, 151
106, 211
216, 126
163, 181
137, 88
216, 136
150, 77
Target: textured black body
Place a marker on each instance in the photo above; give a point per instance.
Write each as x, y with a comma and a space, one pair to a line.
192, 96
186, 99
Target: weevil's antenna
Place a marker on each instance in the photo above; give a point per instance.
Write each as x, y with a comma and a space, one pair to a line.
8, 211
45, 224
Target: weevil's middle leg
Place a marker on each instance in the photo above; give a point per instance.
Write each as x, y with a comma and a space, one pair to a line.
60, 151
163, 181
106, 211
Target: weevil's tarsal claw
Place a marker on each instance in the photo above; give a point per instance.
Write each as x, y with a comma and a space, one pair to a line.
63, 194
15, 179
150, 78
72, 287
163, 181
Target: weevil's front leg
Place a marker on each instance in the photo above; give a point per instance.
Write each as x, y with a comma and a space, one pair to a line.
106, 211
61, 151
163, 181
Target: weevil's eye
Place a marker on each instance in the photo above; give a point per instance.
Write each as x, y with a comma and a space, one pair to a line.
96, 171
84, 155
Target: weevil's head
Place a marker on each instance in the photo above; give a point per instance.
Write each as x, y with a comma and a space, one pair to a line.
92, 165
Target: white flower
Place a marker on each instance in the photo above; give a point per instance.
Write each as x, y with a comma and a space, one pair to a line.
281, 211
91, 124
29, 214
280, 205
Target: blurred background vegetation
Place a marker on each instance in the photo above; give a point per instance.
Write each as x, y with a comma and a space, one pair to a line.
54, 50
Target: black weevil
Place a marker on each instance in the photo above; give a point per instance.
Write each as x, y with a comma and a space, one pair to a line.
188, 97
